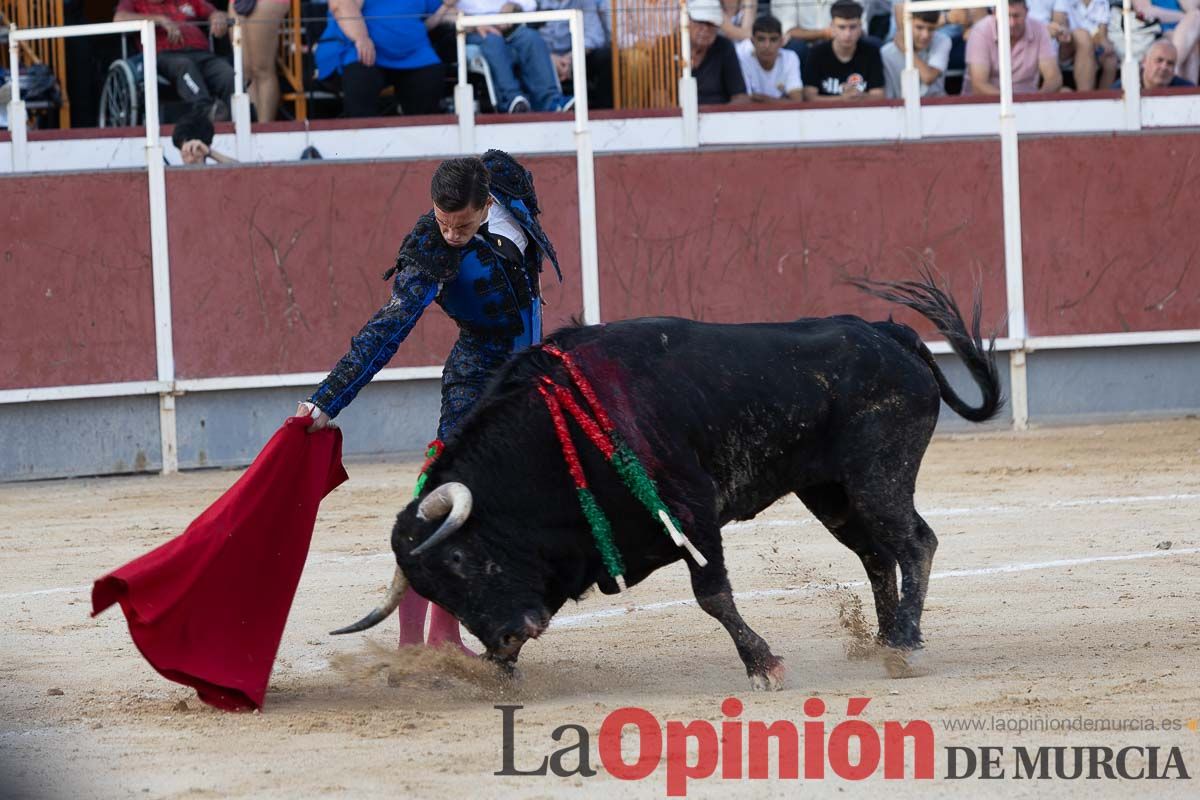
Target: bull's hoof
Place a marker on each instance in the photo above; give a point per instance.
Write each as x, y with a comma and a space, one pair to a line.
769, 679
506, 669
904, 663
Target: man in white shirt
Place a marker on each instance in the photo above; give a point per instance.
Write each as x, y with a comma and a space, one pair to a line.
771, 73
931, 54
805, 23
1052, 13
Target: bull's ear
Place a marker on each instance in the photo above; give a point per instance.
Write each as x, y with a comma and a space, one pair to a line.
409, 531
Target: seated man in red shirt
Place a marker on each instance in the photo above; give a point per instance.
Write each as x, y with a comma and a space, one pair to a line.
203, 79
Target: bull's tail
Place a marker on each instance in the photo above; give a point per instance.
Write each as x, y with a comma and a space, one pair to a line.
936, 305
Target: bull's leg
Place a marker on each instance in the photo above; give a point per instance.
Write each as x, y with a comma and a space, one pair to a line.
915, 553
714, 594
898, 529
829, 505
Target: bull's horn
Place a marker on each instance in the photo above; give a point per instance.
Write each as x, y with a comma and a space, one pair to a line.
450, 500
389, 604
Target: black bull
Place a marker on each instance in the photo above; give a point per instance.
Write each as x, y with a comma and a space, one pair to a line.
726, 419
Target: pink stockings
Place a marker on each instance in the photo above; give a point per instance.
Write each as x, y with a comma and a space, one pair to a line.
443, 627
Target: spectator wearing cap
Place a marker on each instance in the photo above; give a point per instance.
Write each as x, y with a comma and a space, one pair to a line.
1032, 55
845, 67
771, 72
714, 61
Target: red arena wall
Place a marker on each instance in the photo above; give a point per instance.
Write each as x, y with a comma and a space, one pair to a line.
77, 304
1109, 242
768, 234
274, 267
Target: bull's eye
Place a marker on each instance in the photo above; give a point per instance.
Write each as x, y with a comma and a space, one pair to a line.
455, 560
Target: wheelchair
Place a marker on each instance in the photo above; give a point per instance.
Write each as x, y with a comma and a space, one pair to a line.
123, 101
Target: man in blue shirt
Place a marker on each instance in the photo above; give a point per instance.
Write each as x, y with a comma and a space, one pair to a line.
374, 43
478, 254
596, 44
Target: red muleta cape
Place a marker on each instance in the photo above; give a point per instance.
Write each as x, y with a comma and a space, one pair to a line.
207, 609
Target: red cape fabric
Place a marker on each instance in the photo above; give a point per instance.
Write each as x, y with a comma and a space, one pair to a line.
207, 609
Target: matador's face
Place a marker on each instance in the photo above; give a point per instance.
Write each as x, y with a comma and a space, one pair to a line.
459, 227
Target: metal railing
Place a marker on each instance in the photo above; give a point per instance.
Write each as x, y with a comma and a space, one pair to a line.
464, 105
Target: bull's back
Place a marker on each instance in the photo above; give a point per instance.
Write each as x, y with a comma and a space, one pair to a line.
755, 406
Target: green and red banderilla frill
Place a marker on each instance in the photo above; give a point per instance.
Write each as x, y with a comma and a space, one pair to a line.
605, 437
602, 433
433, 450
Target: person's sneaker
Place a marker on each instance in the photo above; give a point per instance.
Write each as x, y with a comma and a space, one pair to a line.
568, 103
519, 105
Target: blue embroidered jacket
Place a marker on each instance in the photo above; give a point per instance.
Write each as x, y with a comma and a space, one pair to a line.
494, 298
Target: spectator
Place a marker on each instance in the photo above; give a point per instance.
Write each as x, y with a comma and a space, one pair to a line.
714, 60
1032, 55
1158, 67
770, 72
844, 68
373, 43
1143, 34
931, 54
193, 135
805, 23
184, 56
519, 59
879, 18
1088, 22
1055, 15
737, 19
1182, 27
596, 44
260, 44
956, 25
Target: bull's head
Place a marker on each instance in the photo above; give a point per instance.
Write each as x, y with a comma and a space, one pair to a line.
494, 584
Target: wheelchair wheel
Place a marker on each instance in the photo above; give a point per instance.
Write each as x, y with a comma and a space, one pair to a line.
120, 100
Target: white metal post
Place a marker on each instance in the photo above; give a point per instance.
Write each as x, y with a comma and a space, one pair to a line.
464, 98
1131, 80
159, 255
16, 106
689, 94
240, 102
585, 176
150, 78
1014, 283
910, 83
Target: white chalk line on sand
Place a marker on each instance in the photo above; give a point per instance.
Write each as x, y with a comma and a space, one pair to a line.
778, 523
935, 513
582, 620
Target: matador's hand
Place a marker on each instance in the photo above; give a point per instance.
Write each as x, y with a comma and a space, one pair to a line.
320, 420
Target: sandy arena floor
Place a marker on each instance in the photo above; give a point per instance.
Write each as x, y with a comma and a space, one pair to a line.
1055, 596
